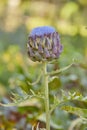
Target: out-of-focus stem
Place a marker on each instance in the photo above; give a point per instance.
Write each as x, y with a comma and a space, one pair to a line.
46, 94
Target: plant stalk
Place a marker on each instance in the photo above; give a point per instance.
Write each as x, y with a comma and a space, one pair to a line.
46, 94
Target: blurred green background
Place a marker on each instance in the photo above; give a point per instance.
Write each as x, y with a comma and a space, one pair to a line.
17, 19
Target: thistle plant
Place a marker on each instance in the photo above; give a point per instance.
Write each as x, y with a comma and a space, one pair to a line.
44, 46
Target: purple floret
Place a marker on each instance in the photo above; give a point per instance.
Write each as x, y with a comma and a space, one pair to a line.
42, 30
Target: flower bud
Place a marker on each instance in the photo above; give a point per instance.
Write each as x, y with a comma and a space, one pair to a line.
44, 44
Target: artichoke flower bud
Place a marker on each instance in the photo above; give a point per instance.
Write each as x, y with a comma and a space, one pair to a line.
44, 44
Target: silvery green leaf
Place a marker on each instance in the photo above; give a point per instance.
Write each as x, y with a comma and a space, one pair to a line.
59, 70
75, 110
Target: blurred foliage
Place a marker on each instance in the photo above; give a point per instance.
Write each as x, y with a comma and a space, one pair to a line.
17, 18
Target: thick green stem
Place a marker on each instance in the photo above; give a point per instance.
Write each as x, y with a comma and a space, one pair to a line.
46, 90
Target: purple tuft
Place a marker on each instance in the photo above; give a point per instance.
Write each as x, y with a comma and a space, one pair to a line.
45, 30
